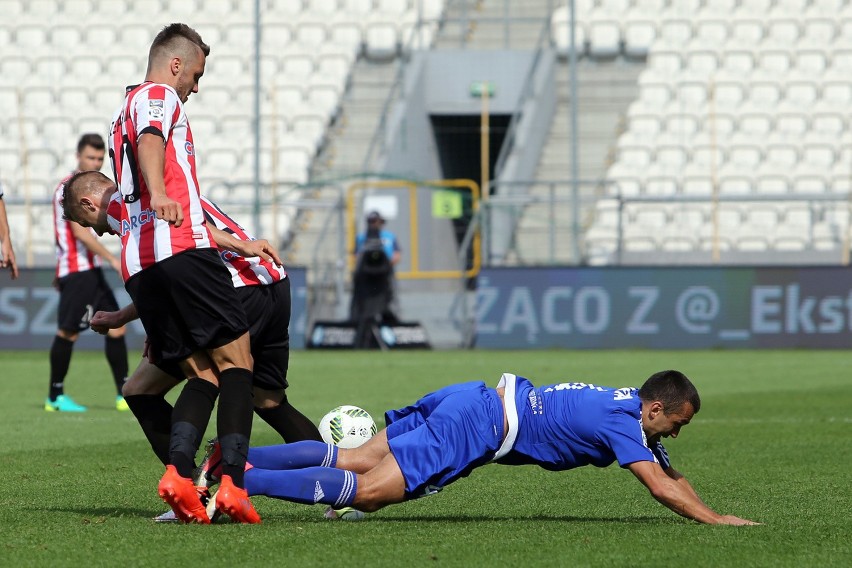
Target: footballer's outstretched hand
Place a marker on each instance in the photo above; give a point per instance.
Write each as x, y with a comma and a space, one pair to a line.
736, 521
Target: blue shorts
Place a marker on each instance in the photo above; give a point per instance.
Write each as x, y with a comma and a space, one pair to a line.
445, 435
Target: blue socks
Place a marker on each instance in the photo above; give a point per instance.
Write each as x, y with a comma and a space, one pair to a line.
335, 487
297, 455
301, 472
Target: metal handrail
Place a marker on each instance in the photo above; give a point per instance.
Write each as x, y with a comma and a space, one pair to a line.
526, 94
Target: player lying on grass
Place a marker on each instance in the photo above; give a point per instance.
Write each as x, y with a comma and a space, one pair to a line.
263, 290
447, 434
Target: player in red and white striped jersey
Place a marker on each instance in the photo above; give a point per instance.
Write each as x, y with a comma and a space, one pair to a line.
190, 312
263, 288
7, 255
82, 290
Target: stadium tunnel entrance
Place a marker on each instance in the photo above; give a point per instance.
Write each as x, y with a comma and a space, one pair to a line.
458, 140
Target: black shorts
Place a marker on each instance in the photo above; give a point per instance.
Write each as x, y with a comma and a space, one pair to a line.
187, 303
268, 310
81, 294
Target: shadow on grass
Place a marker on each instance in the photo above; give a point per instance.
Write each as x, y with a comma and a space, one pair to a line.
644, 520
536, 518
111, 512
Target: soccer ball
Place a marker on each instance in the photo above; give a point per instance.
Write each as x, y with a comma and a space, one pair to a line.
347, 426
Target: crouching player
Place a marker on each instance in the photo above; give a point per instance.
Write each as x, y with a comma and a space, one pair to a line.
263, 288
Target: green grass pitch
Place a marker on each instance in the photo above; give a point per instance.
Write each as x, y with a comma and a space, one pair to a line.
773, 442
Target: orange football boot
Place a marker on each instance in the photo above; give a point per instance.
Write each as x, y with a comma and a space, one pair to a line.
234, 502
182, 496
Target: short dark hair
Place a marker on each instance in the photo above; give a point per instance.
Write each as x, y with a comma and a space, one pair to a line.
170, 36
90, 139
672, 388
75, 187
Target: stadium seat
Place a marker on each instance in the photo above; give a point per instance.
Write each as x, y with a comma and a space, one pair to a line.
774, 58
746, 27
310, 32
702, 58
357, 7
309, 123
818, 27
346, 31
783, 29
675, 27
697, 180
323, 96
604, 35
770, 179
791, 120
811, 57
738, 58
665, 56
654, 90
560, 33
819, 150
662, 179
380, 38
625, 180
751, 243
638, 153
808, 178
297, 66
710, 29
434, 9
638, 35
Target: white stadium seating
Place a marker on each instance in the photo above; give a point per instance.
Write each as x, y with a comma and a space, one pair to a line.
65, 63
740, 96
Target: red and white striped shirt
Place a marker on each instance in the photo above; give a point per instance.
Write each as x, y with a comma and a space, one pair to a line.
71, 254
244, 271
145, 240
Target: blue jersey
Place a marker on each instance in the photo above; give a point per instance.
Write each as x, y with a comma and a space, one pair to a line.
570, 425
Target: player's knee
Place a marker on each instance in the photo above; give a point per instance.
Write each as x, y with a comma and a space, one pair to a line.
116, 333
369, 497
267, 399
136, 387
67, 335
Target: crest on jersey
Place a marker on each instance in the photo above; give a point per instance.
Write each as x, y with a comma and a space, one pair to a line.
190, 149
155, 110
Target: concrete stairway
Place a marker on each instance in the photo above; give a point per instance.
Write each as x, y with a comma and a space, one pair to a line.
605, 90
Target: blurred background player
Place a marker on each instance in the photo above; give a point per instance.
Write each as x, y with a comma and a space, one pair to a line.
7, 255
83, 290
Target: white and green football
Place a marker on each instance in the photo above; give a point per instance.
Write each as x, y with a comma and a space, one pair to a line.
347, 426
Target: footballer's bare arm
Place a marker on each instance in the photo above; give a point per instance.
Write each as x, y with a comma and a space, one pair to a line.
152, 162
672, 490
247, 249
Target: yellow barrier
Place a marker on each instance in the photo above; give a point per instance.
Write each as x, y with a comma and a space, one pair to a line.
411, 187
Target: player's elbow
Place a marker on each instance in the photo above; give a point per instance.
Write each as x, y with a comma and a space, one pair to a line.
660, 491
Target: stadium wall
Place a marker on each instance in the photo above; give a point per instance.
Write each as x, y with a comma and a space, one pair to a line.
28, 312
666, 308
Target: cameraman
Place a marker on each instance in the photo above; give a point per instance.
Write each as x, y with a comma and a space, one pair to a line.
375, 229
373, 288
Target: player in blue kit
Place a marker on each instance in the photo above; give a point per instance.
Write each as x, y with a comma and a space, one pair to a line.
447, 434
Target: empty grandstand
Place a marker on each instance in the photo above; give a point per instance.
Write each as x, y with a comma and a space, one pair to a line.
674, 131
